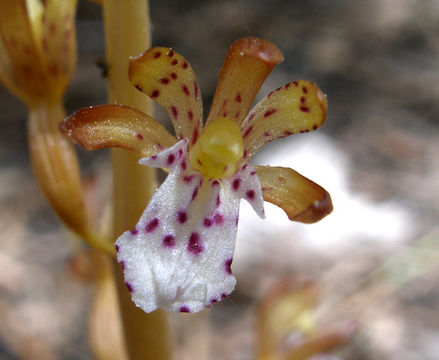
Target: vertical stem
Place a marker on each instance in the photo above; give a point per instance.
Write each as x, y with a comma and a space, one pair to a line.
127, 30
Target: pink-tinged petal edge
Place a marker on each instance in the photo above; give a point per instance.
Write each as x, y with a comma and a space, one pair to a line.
179, 255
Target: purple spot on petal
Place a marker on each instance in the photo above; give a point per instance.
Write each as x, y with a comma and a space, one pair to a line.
215, 183
194, 194
218, 201
236, 183
213, 301
185, 309
169, 241
188, 179
154, 157
183, 165
236, 220
195, 246
129, 286
180, 152
134, 231
250, 194
171, 159
253, 173
227, 265
117, 247
218, 219
122, 263
223, 295
244, 167
182, 216
152, 225
207, 222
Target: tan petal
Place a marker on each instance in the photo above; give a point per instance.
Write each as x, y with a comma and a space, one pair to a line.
168, 78
297, 107
120, 126
247, 64
303, 200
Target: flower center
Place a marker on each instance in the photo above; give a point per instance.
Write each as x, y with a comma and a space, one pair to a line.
218, 150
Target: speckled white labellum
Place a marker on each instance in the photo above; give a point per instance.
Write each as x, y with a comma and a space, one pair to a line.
179, 254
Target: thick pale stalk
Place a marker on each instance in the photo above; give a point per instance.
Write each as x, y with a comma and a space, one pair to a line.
57, 171
127, 30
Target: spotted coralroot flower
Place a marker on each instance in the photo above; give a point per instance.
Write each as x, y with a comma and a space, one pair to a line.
179, 255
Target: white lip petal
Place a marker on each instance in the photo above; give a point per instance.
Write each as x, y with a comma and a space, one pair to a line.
178, 256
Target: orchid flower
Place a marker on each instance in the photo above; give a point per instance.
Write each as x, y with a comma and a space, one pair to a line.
178, 257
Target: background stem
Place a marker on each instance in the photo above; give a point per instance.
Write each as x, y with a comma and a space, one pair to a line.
127, 30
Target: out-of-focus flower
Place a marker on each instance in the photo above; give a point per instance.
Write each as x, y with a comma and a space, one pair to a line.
287, 326
37, 58
37, 48
179, 255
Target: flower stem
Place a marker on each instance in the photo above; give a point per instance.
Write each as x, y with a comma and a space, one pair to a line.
127, 30
57, 171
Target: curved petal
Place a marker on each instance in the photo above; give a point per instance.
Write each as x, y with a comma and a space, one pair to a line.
179, 254
297, 107
247, 64
303, 200
121, 126
168, 78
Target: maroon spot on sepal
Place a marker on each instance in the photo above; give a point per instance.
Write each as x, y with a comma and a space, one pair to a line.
247, 132
190, 115
304, 108
270, 112
185, 90
185, 65
152, 225
174, 76
305, 90
238, 98
139, 136
155, 94
164, 81
157, 55
174, 62
171, 53
174, 112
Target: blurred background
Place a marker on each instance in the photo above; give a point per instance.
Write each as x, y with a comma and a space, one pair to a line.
374, 260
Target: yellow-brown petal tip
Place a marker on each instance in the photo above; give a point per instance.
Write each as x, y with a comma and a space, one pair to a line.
316, 211
257, 48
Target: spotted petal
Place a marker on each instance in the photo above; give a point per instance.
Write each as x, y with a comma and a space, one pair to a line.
168, 78
247, 64
103, 126
178, 256
294, 108
302, 199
